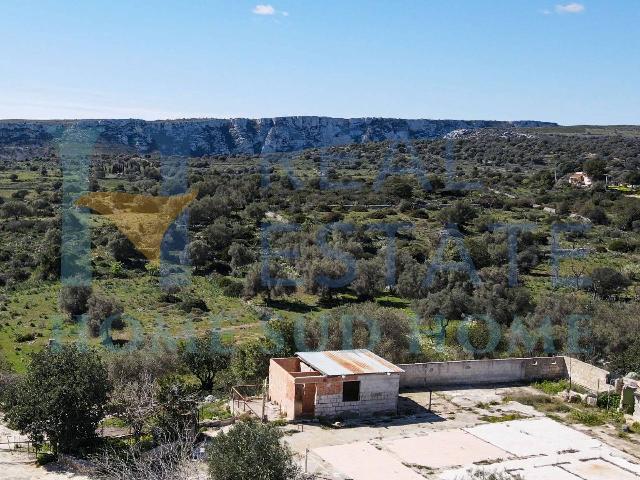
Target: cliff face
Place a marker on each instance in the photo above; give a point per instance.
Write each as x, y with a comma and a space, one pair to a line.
241, 135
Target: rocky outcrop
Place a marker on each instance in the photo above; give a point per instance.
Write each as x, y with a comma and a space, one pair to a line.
199, 137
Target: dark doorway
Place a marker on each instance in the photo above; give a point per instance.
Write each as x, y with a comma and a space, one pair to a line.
309, 400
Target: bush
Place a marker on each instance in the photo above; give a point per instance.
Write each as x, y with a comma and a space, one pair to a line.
190, 303
249, 451
231, 288
25, 337
608, 401
73, 299
591, 418
619, 245
552, 388
100, 309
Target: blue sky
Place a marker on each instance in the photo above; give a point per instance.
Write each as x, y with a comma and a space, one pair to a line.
570, 62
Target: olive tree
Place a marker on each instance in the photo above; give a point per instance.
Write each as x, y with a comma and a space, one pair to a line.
204, 358
61, 398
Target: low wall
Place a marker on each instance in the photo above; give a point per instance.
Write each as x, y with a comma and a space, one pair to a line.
586, 375
478, 372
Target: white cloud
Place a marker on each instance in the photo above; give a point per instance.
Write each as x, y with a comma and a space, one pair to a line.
546, 12
285, 14
570, 8
264, 10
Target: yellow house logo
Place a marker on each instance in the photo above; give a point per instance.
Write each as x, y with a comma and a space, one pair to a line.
144, 219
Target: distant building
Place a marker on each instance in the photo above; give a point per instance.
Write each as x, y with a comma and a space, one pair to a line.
338, 383
580, 179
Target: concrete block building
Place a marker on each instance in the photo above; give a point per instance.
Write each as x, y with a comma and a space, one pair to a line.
341, 383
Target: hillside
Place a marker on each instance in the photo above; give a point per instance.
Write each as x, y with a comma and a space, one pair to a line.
197, 137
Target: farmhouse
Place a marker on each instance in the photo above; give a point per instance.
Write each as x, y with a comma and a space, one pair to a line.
580, 179
334, 384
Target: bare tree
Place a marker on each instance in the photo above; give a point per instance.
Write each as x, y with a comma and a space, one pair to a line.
170, 460
134, 401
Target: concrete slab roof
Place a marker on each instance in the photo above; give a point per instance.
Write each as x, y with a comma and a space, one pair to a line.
347, 362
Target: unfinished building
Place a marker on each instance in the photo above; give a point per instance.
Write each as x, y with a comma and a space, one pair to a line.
330, 384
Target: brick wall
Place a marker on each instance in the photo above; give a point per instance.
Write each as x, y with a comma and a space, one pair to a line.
281, 384
378, 394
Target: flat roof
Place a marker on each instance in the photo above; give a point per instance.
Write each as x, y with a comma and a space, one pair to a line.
347, 362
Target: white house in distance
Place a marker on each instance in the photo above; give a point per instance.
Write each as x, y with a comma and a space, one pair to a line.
580, 179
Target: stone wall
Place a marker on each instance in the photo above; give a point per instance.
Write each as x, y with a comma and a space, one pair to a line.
378, 394
478, 372
586, 375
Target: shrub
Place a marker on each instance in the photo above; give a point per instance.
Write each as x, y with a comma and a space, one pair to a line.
251, 450
25, 337
552, 388
231, 288
15, 209
619, 245
100, 309
190, 303
608, 400
73, 299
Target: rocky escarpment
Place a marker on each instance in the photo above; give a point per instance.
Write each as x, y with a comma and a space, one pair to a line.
240, 135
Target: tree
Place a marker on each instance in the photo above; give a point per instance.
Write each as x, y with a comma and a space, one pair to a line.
73, 299
171, 460
61, 398
251, 451
177, 410
204, 358
122, 249
204, 211
199, 254
629, 214
100, 309
607, 282
218, 236
134, 401
250, 360
411, 280
596, 168
626, 361
49, 257
369, 279
240, 256
316, 274
15, 209
275, 285
460, 213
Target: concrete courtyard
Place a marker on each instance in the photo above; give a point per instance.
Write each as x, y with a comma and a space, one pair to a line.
455, 439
